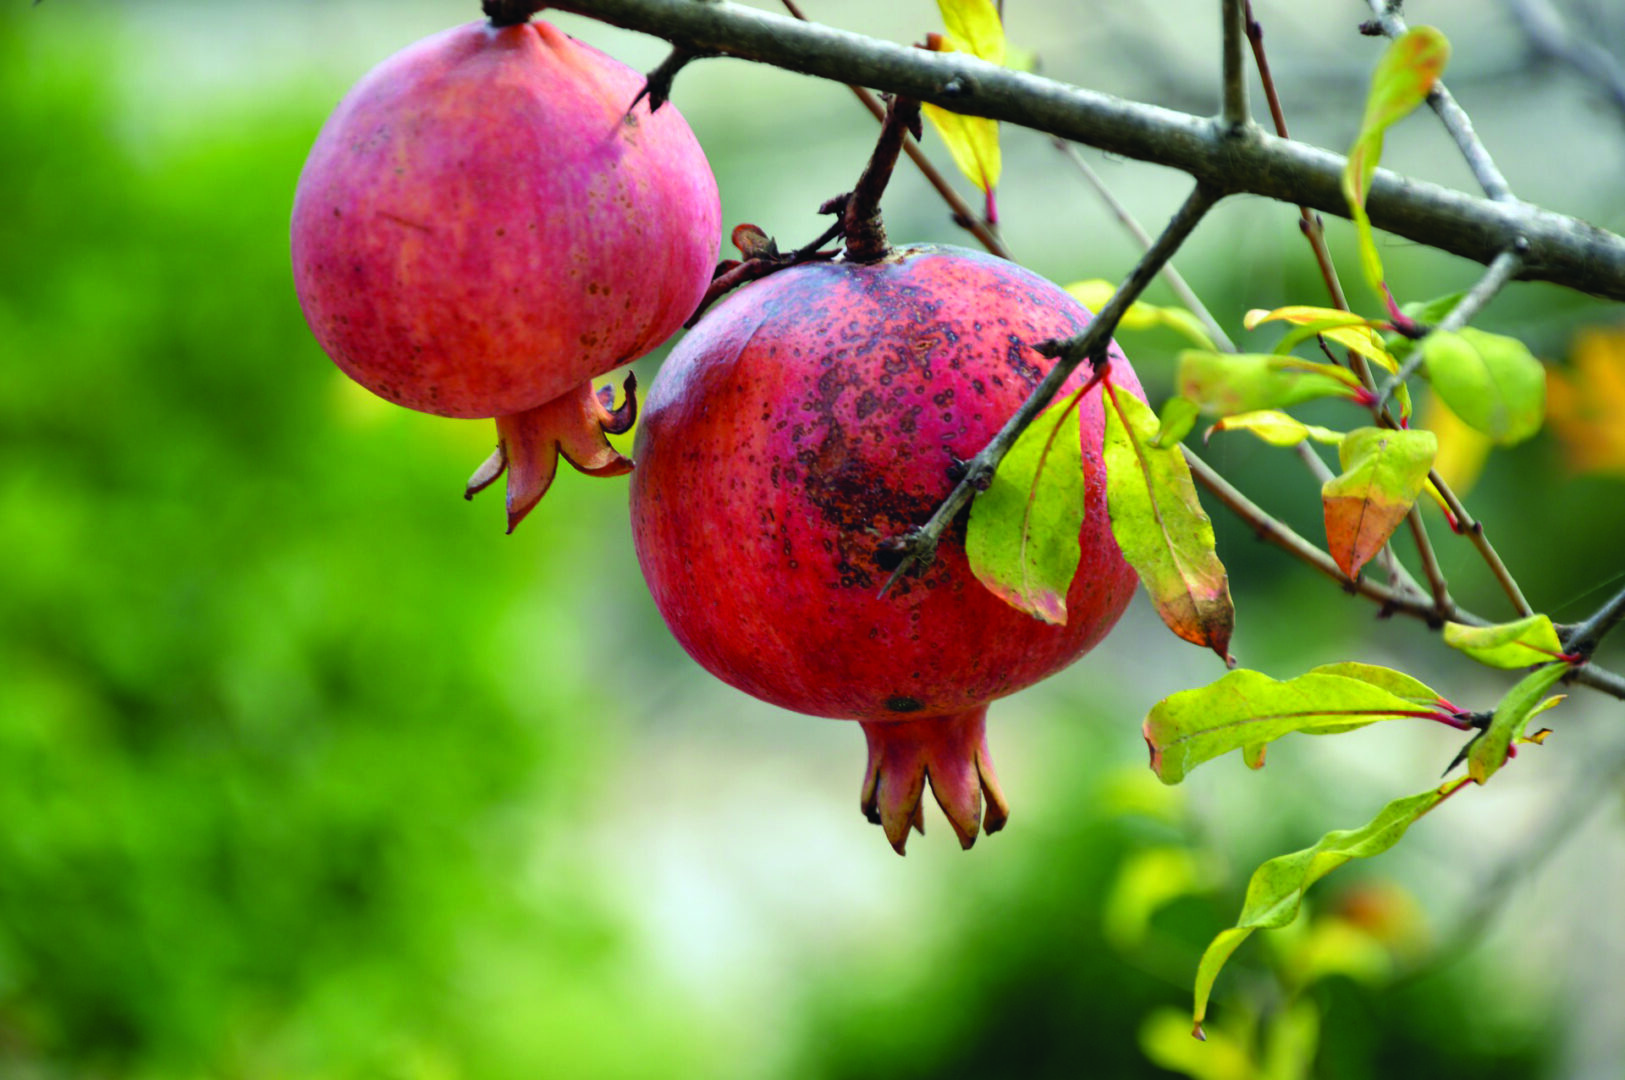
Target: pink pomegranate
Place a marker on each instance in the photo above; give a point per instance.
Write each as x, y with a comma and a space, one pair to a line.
811, 416
483, 226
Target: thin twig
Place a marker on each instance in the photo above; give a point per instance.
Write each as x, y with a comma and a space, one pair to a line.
1585, 637
1176, 281
1473, 529
1430, 565
1453, 116
916, 549
1236, 112
1313, 228
1392, 601
963, 215
1502, 270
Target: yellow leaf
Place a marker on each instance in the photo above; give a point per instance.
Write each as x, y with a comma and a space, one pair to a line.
1462, 450
974, 27
972, 140
1096, 293
1347, 329
1303, 315
1587, 406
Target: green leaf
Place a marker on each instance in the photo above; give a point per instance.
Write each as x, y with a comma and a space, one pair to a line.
1178, 417
1522, 703
1276, 428
1276, 890
1246, 708
1432, 312
1022, 540
1159, 523
1509, 645
1383, 473
1540, 736
1397, 683
1426, 312
1491, 381
1224, 384
1406, 73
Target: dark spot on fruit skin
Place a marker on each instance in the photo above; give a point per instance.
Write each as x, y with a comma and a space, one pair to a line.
903, 704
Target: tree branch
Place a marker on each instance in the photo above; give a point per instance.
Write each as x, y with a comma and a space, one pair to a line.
1561, 249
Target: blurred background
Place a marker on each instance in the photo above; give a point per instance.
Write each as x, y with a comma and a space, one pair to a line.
306, 770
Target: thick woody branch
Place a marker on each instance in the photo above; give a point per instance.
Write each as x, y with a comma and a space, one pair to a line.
1561, 249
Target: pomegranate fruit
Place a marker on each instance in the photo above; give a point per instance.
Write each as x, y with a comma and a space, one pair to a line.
486, 222
812, 415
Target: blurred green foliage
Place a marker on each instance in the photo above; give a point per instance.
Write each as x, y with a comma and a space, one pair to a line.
267, 711
294, 746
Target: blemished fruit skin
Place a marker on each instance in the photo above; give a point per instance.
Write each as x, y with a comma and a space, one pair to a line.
808, 418
482, 225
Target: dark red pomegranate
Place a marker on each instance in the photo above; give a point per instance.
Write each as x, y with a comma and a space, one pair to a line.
808, 418
485, 223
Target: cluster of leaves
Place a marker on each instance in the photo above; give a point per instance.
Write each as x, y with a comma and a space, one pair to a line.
1023, 528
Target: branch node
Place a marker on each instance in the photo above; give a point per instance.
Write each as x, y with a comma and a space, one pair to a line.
657, 84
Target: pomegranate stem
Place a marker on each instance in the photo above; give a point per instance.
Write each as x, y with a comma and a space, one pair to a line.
865, 232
